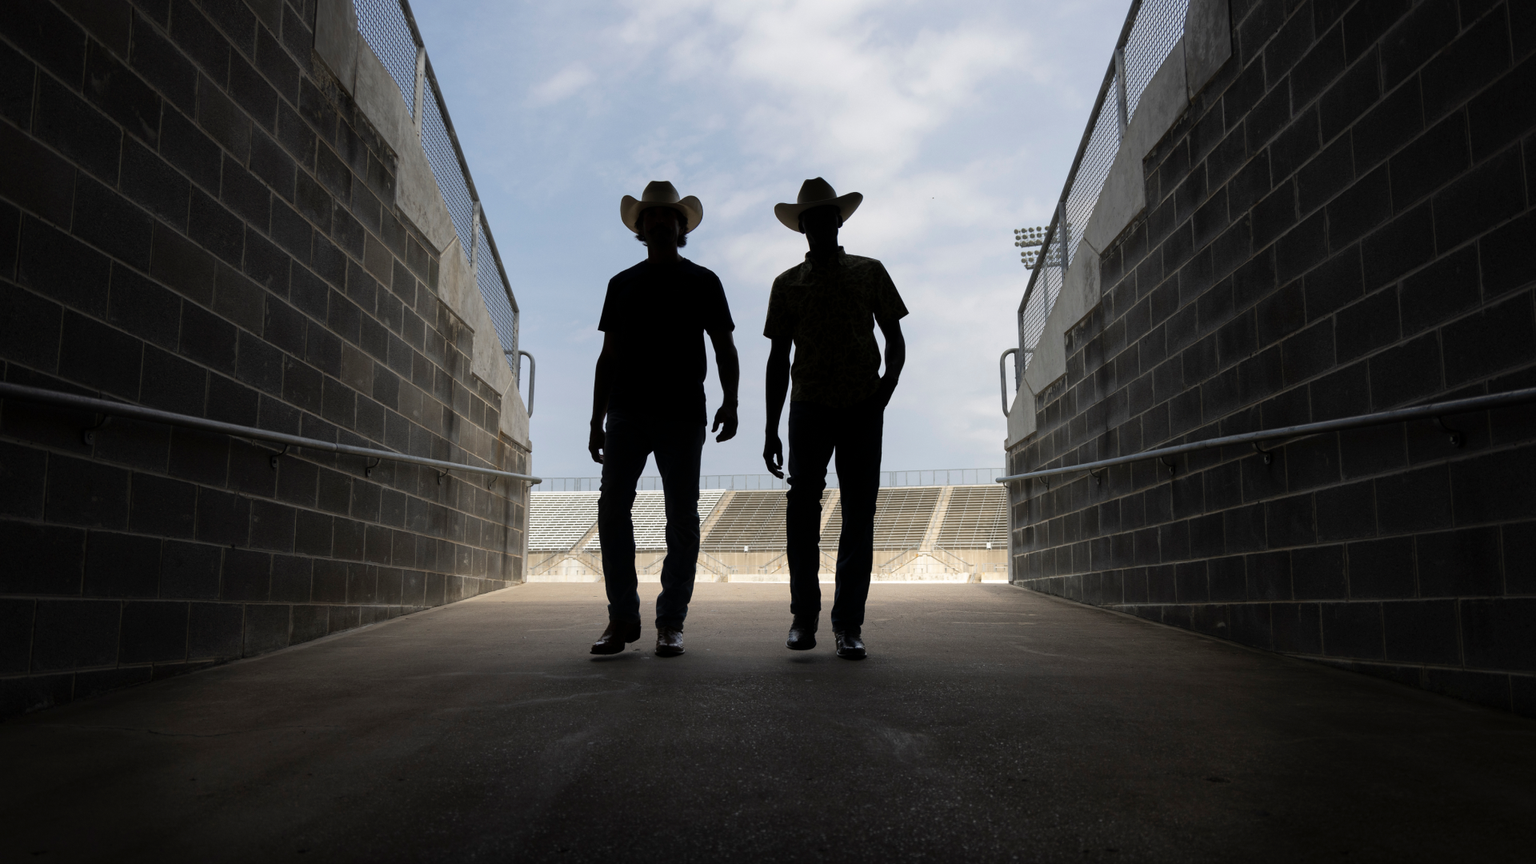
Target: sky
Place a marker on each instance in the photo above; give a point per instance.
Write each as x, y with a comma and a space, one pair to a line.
957, 122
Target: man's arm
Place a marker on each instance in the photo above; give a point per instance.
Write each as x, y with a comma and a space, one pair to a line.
895, 357
600, 388
729, 366
778, 389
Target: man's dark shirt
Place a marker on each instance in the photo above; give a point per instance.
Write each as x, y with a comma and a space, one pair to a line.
830, 309
657, 316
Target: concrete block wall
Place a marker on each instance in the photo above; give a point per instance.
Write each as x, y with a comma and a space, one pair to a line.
1341, 222
195, 217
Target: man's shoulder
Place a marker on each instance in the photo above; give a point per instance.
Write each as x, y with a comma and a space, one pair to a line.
698, 272
628, 275
859, 262
792, 274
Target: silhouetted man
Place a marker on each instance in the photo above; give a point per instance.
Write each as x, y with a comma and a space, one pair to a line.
650, 387
828, 308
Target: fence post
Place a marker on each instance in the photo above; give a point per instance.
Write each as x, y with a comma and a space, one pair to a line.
1120, 102
1065, 234
421, 86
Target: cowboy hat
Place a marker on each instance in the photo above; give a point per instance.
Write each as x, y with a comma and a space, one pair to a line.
660, 193
816, 193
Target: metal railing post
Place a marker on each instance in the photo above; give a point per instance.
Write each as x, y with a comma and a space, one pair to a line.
1124, 116
421, 86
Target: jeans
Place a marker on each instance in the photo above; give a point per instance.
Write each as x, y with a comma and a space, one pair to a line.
816, 432
627, 443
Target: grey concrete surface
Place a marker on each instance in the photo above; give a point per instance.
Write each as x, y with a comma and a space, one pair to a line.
989, 723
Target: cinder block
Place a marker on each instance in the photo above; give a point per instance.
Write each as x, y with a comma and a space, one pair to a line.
1416, 38
74, 634
79, 131
1317, 573
1290, 522
1418, 500
1494, 487
85, 493
1381, 569
191, 151
272, 526
16, 635
1477, 57
1479, 199
214, 631
1406, 372
189, 570
266, 628
216, 229
1227, 579
1500, 634
154, 632
1352, 630
165, 67
247, 575
1505, 258
344, 618
121, 565
1519, 543
266, 264
1488, 341
1485, 688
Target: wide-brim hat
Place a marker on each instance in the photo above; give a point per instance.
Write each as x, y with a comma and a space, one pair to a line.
816, 192
660, 193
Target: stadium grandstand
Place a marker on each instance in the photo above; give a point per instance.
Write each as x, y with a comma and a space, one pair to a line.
938, 533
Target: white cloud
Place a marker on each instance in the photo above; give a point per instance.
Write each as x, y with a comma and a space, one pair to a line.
957, 122
561, 86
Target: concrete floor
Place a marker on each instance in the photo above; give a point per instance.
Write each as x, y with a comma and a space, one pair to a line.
988, 724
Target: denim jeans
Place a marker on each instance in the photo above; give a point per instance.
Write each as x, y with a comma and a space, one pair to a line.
816, 433
627, 443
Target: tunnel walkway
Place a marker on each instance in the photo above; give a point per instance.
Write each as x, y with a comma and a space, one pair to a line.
990, 723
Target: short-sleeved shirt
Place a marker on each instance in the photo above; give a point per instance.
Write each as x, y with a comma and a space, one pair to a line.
656, 316
829, 308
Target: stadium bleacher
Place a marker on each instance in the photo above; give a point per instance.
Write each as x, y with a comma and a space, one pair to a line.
938, 532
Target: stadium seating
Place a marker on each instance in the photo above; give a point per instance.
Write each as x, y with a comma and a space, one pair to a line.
922, 533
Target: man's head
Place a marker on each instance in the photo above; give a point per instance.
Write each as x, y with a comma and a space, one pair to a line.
817, 213
819, 225
661, 226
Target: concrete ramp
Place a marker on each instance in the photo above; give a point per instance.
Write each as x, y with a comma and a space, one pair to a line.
989, 723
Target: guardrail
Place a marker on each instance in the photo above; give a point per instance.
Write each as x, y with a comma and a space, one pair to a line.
1151, 30
1435, 411
108, 408
748, 482
389, 28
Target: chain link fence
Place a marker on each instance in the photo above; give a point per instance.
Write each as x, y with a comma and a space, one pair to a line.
1152, 28
390, 30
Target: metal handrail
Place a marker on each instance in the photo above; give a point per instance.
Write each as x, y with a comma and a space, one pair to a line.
533, 374
1380, 418
1002, 376
153, 415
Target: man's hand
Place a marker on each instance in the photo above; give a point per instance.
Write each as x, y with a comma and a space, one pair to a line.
885, 390
773, 454
596, 440
726, 417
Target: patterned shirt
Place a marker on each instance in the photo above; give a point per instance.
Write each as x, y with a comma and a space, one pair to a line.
829, 308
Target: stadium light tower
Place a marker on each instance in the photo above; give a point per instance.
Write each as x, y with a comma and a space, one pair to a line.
1029, 239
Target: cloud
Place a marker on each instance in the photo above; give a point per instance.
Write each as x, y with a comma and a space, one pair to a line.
561, 86
957, 122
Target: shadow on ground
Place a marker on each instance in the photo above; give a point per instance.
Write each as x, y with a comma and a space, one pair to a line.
989, 723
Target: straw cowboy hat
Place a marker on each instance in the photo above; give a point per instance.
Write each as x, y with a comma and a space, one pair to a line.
816, 193
660, 193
